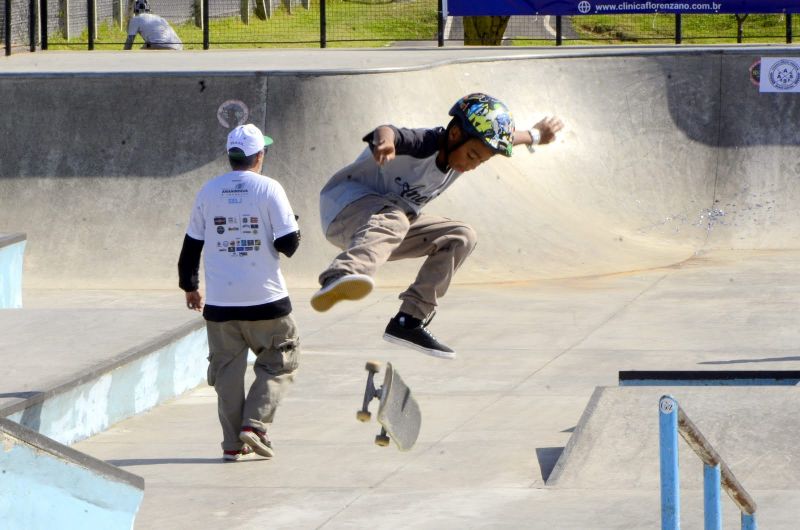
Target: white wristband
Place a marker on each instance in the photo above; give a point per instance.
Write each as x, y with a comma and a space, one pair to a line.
536, 136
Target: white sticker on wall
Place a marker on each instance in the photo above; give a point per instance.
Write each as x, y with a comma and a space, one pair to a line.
780, 74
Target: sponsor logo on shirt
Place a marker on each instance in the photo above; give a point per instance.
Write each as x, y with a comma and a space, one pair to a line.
219, 220
220, 230
238, 189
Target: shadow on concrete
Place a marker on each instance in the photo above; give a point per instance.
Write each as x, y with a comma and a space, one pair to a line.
746, 361
547, 457
31, 415
160, 461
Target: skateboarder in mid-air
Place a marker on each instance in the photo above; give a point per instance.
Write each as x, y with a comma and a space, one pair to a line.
371, 209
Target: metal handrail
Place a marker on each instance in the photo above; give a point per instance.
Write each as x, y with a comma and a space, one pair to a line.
673, 420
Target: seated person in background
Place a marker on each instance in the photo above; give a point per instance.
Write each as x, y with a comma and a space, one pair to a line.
156, 32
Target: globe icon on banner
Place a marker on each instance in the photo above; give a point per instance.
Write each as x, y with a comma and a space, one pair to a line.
584, 7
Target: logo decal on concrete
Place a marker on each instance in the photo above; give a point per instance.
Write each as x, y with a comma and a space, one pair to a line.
232, 113
780, 74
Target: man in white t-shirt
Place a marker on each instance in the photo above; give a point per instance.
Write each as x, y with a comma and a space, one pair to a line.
156, 32
240, 222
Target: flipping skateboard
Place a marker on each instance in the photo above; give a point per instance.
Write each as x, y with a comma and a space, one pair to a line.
398, 412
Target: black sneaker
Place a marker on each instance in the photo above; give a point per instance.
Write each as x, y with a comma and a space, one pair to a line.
411, 332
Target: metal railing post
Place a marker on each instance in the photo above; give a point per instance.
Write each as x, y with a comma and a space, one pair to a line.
43, 22
323, 25
559, 33
712, 502
32, 25
749, 521
7, 28
206, 32
788, 28
90, 16
678, 29
440, 24
670, 480
716, 474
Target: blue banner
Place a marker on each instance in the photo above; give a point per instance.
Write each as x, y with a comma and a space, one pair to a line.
614, 7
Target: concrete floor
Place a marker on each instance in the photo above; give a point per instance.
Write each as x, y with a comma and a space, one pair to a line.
494, 420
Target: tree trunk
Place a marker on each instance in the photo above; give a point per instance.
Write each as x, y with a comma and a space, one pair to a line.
484, 31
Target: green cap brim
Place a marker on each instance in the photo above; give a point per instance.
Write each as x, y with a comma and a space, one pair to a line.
267, 140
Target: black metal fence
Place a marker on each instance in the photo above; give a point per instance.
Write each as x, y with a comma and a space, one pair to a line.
93, 24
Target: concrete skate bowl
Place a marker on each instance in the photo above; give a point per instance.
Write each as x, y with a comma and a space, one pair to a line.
666, 155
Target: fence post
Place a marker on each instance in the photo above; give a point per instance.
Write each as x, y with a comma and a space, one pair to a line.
117, 13
90, 20
670, 480
712, 502
206, 42
64, 19
43, 23
7, 28
440, 24
788, 28
244, 10
678, 29
559, 34
32, 25
323, 25
198, 13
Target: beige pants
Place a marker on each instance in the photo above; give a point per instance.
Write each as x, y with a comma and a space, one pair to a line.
277, 348
374, 230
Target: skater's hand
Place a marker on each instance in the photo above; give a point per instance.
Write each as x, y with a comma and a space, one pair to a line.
194, 301
383, 145
548, 127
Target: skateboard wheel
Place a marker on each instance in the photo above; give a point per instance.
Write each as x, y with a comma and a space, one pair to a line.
382, 440
373, 366
363, 415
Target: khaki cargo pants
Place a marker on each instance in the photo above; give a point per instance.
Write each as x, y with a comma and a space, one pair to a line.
277, 349
374, 230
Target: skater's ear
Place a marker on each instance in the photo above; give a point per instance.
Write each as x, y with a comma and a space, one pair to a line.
455, 134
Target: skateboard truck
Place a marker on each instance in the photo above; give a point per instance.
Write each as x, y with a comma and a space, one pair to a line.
372, 392
398, 412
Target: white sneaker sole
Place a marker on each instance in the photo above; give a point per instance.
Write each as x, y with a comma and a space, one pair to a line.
251, 439
349, 287
439, 354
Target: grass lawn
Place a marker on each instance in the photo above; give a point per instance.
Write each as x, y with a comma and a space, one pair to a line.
696, 29
349, 23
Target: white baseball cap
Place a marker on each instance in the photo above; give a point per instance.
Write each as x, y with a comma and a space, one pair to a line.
248, 138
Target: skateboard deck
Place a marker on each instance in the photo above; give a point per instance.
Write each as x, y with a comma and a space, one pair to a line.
398, 412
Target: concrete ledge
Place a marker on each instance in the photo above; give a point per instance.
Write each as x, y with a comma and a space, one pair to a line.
44, 480
127, 384
615, 445
12, 249
10, 239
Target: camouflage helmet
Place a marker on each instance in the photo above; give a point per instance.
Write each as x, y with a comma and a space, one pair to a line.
487, 119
